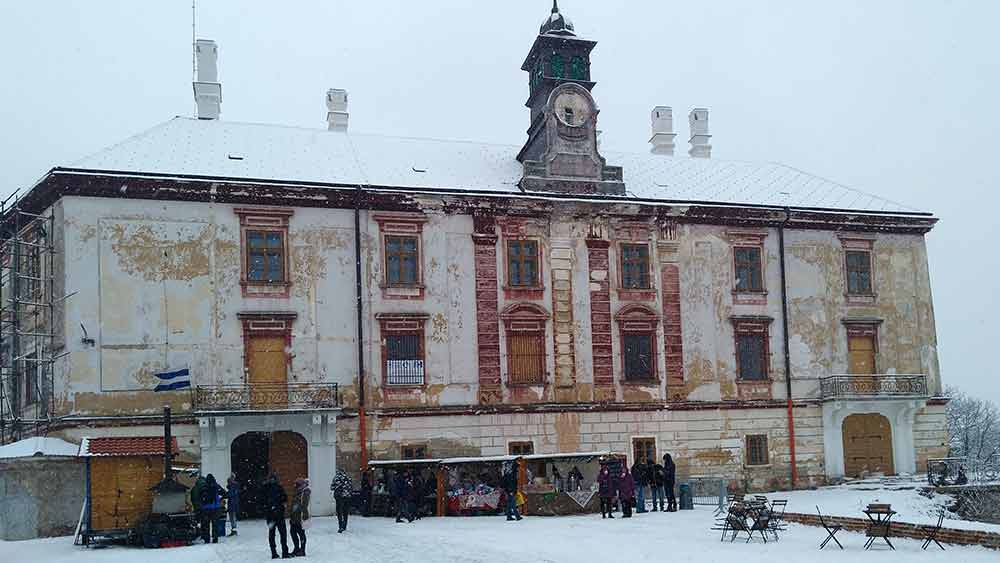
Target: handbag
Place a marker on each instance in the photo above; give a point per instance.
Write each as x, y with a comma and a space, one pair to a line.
519, 499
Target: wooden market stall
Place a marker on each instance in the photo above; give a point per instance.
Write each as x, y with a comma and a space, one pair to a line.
383, 473
472, 486
120, 476
562, 484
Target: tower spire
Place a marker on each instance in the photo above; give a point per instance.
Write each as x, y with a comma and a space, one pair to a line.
555, 6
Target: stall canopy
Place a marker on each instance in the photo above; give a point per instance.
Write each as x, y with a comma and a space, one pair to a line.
586, 456
389, 464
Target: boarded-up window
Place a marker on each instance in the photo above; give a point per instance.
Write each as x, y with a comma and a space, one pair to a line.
749, 271
859, 272
402, 261
638, 351
520, 448
414, 451
756, 449
526, 356
643, 448
635, 266
522, 263
404, 359
861, 353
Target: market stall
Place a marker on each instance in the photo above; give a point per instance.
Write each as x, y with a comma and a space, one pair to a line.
472, 486
383, 474
566, 483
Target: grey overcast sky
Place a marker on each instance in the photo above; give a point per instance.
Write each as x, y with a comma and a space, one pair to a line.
897, 98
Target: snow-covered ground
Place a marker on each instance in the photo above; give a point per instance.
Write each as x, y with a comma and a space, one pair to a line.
904, 496
681, 536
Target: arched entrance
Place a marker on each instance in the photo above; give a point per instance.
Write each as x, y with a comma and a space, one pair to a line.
255, 455
867, 445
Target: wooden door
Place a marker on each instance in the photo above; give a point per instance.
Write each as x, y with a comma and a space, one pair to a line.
119, 490
289, 458
267, 372
860, 362
867, 445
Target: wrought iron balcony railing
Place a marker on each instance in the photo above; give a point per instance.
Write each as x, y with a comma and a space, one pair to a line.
266, 397
873, 386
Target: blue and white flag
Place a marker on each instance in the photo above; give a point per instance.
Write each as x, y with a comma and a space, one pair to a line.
174, 380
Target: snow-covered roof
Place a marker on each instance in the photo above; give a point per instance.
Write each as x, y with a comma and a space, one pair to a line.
248, 151
402, 462
39, 446
572, 455
486, 459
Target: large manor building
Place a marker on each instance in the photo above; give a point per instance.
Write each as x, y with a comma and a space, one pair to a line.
757, 322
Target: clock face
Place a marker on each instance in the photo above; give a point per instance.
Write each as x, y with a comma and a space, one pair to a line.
571, 109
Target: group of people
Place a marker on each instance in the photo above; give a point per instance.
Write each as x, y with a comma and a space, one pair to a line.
616, 481
211, 502
409, 491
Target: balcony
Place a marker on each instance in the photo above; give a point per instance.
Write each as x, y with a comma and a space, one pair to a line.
873, 387
265, 397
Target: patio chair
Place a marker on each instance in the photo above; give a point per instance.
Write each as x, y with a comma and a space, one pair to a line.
777, 520
761, 523
931, 532
733, 522
831, 530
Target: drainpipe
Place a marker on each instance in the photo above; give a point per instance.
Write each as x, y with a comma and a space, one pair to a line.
784, 332
361, 331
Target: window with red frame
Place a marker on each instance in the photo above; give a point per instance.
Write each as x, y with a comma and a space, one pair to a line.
749, 271
635, 266
522, 263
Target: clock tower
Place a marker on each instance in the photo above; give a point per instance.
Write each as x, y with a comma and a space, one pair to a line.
561, 154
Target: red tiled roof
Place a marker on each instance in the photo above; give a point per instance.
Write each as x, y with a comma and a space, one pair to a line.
125, 446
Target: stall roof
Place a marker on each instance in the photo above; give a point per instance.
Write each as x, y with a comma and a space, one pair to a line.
571, 455
402, 462
124, 446
487, 459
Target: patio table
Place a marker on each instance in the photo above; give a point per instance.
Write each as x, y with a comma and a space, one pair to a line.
879, 524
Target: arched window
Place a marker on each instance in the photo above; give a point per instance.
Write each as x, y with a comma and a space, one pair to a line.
577, 68
524, 326
557, 67
637, 329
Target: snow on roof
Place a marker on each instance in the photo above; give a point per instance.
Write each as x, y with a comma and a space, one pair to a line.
401, 462
571, 455
486, 459
39, 446
224, 149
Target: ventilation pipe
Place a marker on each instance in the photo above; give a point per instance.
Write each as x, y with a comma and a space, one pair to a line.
207, 89
698, 120
662, 122
336, 106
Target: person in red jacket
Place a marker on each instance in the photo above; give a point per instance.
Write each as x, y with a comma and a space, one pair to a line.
605, 490
626, 491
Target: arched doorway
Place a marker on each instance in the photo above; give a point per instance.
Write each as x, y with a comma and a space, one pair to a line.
255, 455
867, 445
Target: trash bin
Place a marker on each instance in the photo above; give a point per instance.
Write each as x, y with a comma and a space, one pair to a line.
686, 500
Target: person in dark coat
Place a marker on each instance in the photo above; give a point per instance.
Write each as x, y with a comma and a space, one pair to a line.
233, 502
510, 488
626, 491
299, 515
366, 494
416, 495
343, 488
669, 474
605, 490
211, 507
401, 490
641, 477
656, 485
275, 499
196, 489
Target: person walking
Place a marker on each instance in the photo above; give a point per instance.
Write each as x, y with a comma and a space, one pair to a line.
669, 473
196, 489
416, 495
366, 494
232, 502
641, 477
298, 516
626, 491
510, 488
343, 488
275, 498
401, 490
656, 485
605, 490
211, 504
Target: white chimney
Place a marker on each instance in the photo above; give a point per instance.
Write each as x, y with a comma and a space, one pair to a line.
336, 105
207, 89
662, 141
698, 120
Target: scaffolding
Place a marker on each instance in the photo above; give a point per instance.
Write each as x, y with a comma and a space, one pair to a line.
27, 321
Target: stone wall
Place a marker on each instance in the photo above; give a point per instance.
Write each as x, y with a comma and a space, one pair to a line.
40, 497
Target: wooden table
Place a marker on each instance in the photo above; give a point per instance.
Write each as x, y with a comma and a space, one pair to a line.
879, 524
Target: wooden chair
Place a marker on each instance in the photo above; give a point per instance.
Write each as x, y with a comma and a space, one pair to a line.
831, 530
931, 532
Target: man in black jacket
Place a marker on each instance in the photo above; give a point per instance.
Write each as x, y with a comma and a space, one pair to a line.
641, 476
669, 473
275, 500
656, 484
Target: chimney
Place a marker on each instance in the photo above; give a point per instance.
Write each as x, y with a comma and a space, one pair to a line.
662, 141
698, 120
207, 89
336, 105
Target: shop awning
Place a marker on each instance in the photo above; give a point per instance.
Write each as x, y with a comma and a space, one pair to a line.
567, 456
